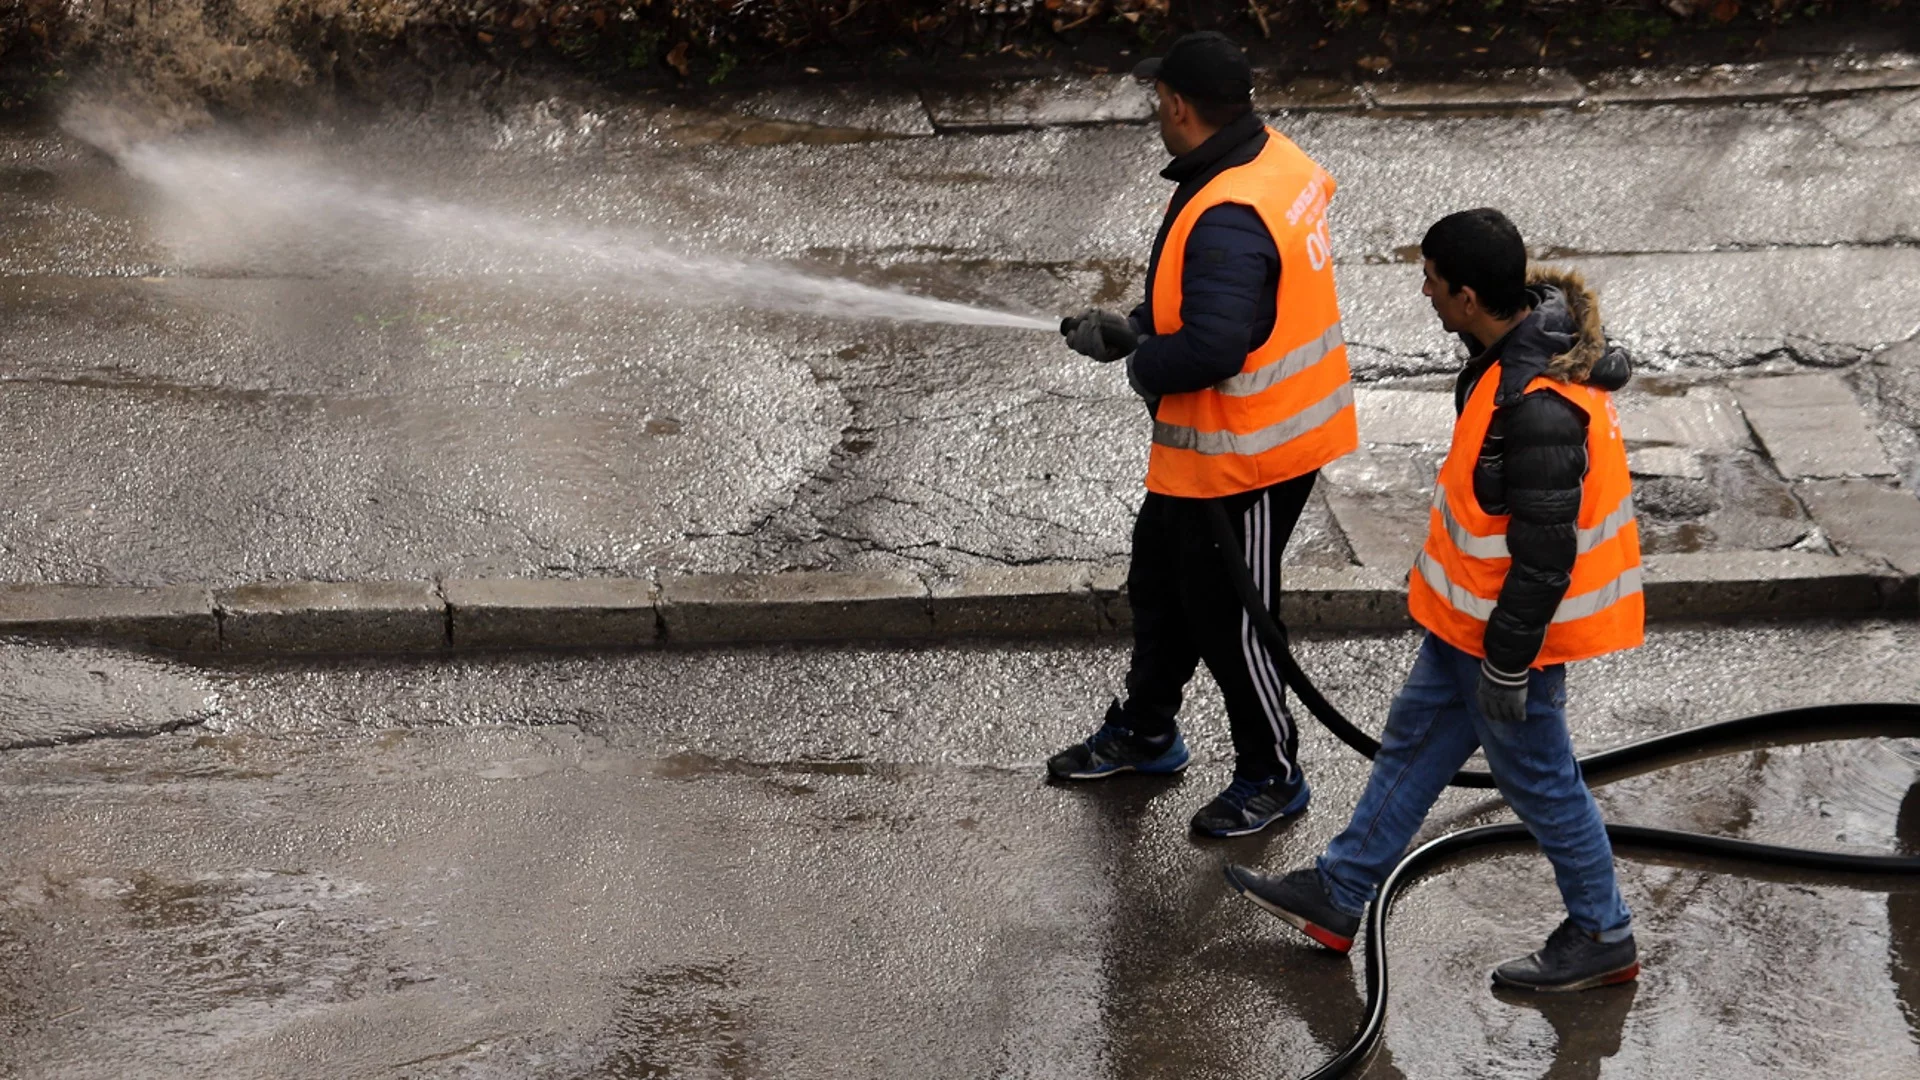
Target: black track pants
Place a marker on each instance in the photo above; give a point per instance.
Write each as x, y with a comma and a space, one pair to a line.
1185, 610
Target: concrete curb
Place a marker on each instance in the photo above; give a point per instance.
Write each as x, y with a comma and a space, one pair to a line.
588, 612
175, 617
333, 617
1053, 600
717, 609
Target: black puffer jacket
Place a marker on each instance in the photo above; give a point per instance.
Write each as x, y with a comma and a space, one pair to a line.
1534, 462
1229, 280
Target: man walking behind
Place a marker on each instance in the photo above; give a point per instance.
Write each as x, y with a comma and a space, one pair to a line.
1532, 560
1238, 354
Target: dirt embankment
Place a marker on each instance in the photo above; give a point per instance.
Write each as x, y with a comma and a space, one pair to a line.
229, 52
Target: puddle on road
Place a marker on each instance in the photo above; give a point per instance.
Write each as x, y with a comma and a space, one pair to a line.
1076, 923
1741, 504
685, 1021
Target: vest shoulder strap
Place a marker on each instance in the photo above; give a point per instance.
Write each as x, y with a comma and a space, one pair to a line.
1579, 395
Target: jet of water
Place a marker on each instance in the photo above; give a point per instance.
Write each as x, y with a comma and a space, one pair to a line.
265, 212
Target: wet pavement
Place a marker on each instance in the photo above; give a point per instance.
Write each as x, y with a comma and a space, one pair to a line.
843, 863
217, 387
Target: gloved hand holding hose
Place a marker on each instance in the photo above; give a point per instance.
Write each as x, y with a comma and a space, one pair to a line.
1503, 697
1103, 336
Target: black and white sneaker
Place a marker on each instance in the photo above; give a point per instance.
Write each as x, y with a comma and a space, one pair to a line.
1116, 749
1249, 805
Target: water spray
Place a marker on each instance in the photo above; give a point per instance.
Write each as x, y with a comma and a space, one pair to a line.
268, 211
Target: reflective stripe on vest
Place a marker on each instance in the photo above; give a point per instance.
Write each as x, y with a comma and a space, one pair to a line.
1256, 442
1457, 577
1248, 383
1571, 607
1495, 546
1289, 410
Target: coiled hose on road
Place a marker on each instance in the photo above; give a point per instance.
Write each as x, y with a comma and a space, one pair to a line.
1818, 723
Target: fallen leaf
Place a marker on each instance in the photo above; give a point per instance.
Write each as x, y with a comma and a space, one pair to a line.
677, 59
1725, 10
1374, 64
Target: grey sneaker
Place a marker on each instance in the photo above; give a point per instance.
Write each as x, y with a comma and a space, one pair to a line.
1301, 899
1572, 959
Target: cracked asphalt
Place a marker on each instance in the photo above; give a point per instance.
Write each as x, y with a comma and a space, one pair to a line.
227, 384
843, 862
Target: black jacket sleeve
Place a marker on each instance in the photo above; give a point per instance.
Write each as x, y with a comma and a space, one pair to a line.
1228, 286
1541, 444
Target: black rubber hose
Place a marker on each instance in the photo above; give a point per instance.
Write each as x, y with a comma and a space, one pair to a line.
1274, 636
1897, 720
1813, 724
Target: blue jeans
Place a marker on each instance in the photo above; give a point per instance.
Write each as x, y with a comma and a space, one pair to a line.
1434, 726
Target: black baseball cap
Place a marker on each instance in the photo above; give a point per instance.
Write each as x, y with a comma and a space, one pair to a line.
1204, 66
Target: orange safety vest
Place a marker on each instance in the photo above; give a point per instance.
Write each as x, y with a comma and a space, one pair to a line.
1290, 410
1457, 577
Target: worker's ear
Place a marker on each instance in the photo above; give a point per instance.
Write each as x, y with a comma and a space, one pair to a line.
1178, 108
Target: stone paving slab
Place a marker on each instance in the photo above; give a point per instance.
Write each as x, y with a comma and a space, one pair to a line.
1705, 418
1385, 530
170, 617
1666, 461
1404, 417
1812, 427
1385, 470
579, 613
332, 617
1868, 519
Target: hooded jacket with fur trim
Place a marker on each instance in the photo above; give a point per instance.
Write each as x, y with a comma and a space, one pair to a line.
1533, 464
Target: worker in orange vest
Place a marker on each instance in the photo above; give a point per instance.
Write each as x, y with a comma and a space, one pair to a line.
1532, 561
1238, 353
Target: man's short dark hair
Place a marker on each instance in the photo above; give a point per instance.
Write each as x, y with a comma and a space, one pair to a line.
1481, 249
1218, 114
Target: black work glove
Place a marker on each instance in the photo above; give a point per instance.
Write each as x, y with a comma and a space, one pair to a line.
1503, 697
1102, 335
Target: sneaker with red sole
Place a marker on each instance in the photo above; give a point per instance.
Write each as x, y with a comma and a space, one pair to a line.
1572, 959
1300, 899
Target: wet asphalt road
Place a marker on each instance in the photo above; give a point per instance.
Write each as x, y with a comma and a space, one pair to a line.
843, 863
209, 379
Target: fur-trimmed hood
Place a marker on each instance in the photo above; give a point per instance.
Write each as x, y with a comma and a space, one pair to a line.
1562, 340
1566, 306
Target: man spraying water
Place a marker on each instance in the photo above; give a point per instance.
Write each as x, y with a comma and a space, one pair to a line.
1237, 352
1532, 561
